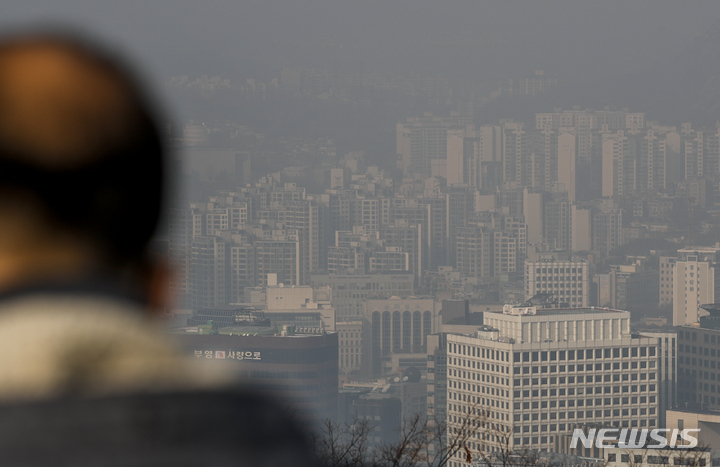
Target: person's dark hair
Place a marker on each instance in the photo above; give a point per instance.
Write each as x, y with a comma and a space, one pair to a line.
88, 157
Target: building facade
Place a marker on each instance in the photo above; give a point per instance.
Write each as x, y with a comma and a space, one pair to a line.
539, 373
568, 281
695, 283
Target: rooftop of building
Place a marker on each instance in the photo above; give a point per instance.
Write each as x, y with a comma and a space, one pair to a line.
523, 310
696, 407
574, 311
269, 331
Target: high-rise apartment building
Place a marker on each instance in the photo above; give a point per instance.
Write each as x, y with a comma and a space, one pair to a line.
420, 140
279, 253
409, 239
392, 259
460, 204
607, 231
308, 219
342, 258
505, 247
700, 152
474, 254
474, 157
696, 282
208, 271
180, 233
557, 220
635, 161
591, 119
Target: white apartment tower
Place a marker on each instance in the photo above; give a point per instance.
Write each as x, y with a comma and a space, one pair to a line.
696, 282
540, 373
421, 140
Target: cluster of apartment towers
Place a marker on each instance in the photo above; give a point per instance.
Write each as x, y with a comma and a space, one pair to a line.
476, 202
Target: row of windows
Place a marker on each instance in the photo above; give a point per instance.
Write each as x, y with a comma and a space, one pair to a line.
700, 351
573, 414
658, 460
699, 362
478, 365
478, 388
590, 390
582, 367
586, 354
477, 400
694, 374
552, 428
558, 270
587, 402
580, 379
574, 281
470, 351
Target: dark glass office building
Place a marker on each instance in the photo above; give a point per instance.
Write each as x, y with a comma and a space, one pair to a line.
300, 369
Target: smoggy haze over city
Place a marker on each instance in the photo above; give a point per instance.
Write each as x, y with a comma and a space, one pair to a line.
383, 204
459, 40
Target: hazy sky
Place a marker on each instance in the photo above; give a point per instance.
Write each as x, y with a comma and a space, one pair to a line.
459, 39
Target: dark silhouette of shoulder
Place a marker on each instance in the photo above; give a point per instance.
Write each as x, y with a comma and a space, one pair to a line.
200, 428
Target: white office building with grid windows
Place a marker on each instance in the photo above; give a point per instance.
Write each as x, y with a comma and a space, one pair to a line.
568, 280
540, 373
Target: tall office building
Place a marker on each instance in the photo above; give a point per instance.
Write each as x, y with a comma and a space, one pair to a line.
699, 365
437, 378
667, 371
567, 279
350, 345
540, 373
397, 326
299, 368
667, 279
696, 282
700, 152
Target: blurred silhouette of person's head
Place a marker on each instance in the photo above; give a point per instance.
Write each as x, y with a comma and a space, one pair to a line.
81, 166
81, 185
